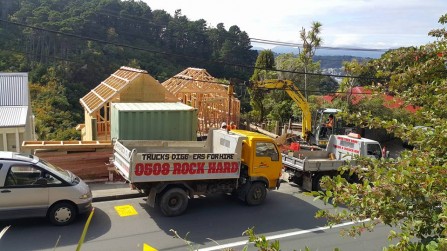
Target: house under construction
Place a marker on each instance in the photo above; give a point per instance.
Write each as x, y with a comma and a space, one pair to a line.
214, 101
125, 85
87, 158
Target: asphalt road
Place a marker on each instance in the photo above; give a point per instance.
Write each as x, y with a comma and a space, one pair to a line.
286, 215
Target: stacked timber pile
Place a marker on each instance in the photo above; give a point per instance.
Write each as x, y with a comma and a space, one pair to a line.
87, 159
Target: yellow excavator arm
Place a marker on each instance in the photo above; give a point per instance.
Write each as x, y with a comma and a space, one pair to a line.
295, 94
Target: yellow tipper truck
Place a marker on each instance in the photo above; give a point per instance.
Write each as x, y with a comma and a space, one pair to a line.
243, 163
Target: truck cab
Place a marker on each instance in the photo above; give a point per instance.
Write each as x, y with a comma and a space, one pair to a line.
346, 146
261, 157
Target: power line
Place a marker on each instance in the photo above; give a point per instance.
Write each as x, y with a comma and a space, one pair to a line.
180, 55
244, 85
184, 78
86, 38
38, 55
254, 40
271, 42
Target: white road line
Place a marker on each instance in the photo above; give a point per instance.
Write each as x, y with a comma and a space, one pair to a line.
280, 236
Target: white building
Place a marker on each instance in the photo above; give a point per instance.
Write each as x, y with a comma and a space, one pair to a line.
16, 117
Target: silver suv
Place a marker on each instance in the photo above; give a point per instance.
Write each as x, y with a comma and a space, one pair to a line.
32, 187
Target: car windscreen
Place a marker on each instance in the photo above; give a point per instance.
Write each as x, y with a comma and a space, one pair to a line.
25, 157
374, 150
63, 174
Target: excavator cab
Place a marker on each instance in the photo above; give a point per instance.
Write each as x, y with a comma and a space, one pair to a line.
320, 129
314, 129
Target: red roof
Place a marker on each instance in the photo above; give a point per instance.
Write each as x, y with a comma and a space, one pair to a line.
329, 98
358, 93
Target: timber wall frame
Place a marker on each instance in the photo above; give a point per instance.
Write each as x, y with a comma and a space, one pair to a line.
197, 88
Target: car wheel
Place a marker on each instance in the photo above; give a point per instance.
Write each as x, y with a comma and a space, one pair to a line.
62, 213
256, 194
173, 202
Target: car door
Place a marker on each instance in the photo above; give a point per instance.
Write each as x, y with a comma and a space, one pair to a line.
20, 195
266, 161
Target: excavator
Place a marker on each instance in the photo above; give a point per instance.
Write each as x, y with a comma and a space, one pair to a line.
313, 130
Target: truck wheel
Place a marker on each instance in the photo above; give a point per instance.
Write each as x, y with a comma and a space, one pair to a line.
62, 213
298, 180
256, 194
316, 182
174, 202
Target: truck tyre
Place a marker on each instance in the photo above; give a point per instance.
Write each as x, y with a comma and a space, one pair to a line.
298, 180
256, 194
316, 182
173, 202
62, 213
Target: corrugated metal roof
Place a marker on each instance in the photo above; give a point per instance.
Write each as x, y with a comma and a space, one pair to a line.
13, 116
14, 89
152, 107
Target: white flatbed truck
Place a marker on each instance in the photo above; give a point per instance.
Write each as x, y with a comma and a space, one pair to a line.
306, 168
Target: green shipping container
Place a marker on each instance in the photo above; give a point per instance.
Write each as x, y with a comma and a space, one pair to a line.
153, 121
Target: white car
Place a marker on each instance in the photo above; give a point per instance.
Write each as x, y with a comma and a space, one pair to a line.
32, 187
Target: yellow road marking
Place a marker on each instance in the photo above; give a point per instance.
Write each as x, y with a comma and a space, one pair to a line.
126, 210
148, 248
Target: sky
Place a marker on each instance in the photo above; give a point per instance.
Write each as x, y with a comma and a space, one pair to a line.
372, 24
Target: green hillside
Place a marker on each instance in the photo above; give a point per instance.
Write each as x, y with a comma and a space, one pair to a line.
69, 46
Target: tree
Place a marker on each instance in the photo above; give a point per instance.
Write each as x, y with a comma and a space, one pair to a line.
55, 117
327, 85
79, 43
289, 63
236, 49
407, 193
311, 41
264, 63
